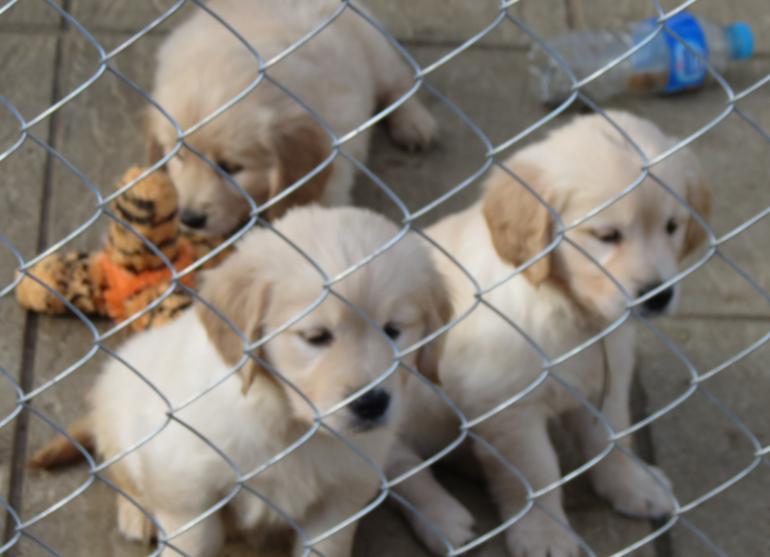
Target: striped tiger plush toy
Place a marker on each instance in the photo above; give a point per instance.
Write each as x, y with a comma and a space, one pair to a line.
126, 276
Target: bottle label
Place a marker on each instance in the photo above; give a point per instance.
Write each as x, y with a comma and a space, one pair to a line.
685, 69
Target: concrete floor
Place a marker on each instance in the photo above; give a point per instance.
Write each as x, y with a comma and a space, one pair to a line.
721, 315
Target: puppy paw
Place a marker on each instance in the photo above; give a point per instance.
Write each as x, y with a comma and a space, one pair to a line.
451, 518
635, 491
537, 535
412, 127
132, 523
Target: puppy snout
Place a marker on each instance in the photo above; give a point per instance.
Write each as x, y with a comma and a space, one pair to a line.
659, 302
193, 219
370, 407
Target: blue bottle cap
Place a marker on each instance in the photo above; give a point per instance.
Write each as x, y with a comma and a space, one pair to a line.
741, 40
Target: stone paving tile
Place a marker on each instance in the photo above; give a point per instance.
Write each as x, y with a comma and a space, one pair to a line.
30, 12
605, 14
473, 82
20, 197
438, 21
699, 446
450, 21
100, 132
734, 521
457, 21
122, 15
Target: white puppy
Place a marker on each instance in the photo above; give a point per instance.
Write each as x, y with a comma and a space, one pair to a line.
222, 426
266, 141
561, 301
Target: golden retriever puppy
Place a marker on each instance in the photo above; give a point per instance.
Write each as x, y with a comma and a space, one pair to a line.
561, 300
266, 141
324, 364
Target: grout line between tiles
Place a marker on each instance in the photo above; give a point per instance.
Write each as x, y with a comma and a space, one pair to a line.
31, 322
720, 317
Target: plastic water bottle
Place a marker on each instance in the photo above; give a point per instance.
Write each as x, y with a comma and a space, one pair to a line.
663, 65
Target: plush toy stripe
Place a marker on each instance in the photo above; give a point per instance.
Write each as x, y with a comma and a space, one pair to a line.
122, 283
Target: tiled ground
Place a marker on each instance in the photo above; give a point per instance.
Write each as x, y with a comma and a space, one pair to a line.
698, 444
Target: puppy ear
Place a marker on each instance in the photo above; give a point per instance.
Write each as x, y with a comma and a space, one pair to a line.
438, 312
699, 198
519, 224
235, 291
300, 145
153, 148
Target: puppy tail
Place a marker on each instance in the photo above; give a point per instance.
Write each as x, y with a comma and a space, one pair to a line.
60, 451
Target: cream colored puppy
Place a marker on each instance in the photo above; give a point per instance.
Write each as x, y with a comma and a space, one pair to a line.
561, 301
225, 425
266, 141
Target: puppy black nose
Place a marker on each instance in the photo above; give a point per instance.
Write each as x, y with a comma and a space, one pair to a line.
193, 219
371, 406
659, 301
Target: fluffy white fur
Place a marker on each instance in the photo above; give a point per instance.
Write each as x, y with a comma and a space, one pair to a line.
251, 416
560, 302
266, 141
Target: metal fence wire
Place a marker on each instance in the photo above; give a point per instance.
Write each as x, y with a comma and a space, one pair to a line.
22, 528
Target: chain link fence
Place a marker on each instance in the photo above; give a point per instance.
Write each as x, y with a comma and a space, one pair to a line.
32, 501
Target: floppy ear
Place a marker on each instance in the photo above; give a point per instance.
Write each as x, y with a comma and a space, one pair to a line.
699, 198
153, 148
438, 312
301, 145
519, 224
235, 291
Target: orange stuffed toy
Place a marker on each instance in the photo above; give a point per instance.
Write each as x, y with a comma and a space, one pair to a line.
126, 276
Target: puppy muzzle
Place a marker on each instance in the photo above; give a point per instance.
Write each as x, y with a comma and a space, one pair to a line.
370, 410
193, 219
657, 304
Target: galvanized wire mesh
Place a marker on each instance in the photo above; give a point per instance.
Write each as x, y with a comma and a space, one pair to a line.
21, 528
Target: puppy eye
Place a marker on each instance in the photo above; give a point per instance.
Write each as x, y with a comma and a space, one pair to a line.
229, 167
318, 337
608, 235
671, 226
392, 331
